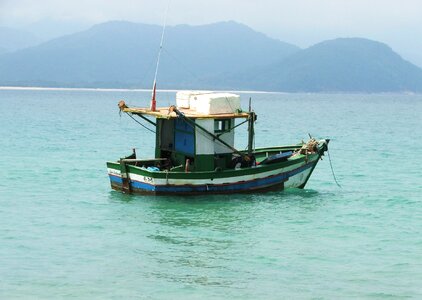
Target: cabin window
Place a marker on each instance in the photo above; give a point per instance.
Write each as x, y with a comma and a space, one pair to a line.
222, 125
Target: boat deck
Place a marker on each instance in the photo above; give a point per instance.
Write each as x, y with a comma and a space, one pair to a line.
260, 155
167, 113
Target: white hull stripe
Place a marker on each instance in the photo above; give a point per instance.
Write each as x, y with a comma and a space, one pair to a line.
209, 181
243, 185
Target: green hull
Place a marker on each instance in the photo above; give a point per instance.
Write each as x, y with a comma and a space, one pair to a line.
290, 172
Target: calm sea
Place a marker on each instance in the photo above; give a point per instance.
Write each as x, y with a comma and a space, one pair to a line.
65, 234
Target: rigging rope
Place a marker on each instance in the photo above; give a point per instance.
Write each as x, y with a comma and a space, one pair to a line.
208, 135
140, 123
220, 134
184, 66
332, 170
204, 134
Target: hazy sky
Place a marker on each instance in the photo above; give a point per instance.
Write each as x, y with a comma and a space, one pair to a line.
301, 22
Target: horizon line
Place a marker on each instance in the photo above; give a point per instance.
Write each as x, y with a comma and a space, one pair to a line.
35, 88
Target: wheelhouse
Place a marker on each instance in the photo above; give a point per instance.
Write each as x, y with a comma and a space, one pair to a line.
199, 133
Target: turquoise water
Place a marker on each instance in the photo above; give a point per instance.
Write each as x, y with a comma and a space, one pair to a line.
65, 234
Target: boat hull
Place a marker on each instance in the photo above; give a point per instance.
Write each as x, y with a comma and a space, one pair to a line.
293, 174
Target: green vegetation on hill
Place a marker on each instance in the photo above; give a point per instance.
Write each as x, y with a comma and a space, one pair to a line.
224, 55
345, 64
123, 54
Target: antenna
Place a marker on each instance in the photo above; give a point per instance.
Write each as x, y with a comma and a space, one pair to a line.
154, 87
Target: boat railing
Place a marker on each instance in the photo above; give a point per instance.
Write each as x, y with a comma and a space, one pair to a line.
140, 162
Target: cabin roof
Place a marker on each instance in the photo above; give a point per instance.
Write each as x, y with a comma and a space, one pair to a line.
166, 113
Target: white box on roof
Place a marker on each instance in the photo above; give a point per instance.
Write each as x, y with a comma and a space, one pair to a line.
217, 103
187, 99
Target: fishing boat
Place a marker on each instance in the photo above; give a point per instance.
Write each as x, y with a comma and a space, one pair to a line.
195, 151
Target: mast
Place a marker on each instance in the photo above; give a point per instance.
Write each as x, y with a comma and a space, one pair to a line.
153, 105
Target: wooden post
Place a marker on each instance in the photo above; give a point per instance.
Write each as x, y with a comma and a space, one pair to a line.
126, 189
251, 133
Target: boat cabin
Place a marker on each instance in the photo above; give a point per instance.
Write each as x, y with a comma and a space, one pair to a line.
198, 133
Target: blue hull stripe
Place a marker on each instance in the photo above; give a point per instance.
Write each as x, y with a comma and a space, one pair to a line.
237, 186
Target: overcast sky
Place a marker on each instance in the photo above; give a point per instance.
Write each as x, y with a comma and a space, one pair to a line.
301, 22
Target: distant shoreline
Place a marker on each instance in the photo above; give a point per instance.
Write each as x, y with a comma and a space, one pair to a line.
34, 88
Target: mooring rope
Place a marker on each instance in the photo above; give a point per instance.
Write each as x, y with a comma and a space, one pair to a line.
332, 170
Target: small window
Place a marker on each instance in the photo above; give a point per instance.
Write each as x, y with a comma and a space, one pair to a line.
222, 125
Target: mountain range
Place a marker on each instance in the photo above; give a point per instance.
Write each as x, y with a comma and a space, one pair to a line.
12, 39
225, 55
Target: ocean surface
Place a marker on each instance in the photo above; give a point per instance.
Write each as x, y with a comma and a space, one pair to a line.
65, 234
